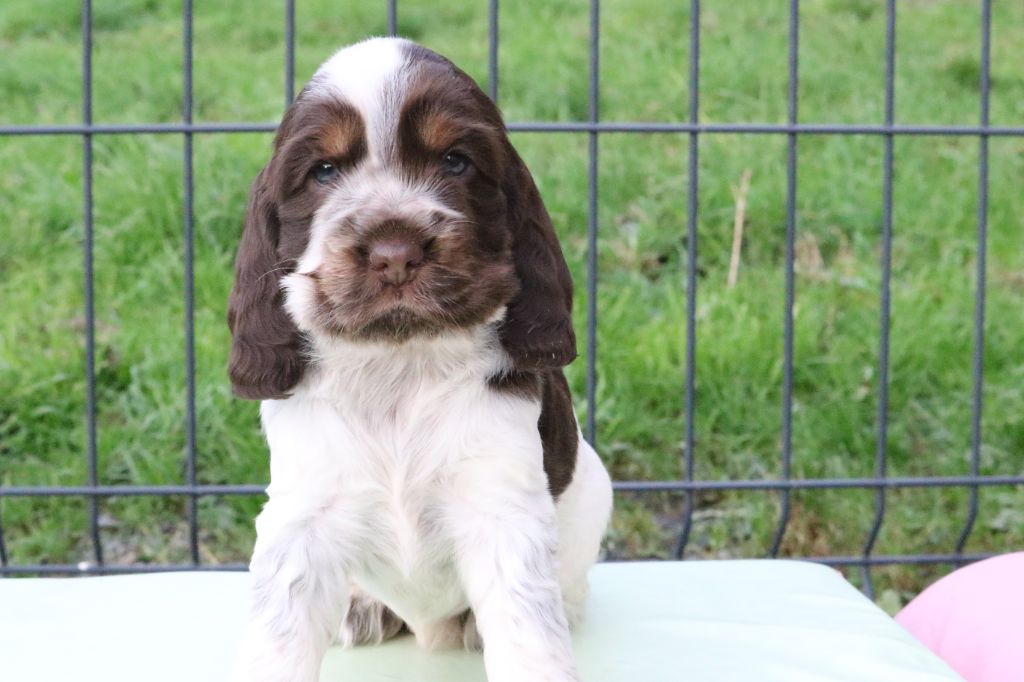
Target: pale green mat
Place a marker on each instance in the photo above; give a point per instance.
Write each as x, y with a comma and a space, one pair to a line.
748, 621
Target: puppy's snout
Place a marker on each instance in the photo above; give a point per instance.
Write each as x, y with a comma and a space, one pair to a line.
395, 260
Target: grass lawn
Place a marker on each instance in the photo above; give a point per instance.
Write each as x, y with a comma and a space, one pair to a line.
641, 299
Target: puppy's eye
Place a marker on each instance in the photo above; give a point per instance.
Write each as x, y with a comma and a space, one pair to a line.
455, 163
324, 171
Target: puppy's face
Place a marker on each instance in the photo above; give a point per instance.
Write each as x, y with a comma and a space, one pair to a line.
395, 164
393, 206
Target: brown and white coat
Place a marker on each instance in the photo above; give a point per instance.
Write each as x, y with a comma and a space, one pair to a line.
403, 309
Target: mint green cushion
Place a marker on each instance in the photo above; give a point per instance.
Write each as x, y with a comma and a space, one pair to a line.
768, 621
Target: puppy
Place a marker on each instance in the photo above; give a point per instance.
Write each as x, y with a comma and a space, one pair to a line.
403, 309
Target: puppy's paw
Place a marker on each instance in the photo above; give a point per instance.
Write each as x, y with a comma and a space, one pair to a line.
368, 621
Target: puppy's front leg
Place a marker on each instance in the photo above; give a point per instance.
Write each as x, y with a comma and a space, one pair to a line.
299, 593
506, 547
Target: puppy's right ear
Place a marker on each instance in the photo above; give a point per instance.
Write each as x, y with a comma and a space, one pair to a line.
537, 330
266, 347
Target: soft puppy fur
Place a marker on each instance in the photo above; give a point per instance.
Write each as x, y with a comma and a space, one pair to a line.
403, 310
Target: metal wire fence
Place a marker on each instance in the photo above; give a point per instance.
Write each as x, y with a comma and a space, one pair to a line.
784, 485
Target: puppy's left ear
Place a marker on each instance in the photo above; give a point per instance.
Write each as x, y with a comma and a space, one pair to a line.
537, 330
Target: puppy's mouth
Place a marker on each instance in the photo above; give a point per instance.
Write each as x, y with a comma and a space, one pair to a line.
412, 306
397, 325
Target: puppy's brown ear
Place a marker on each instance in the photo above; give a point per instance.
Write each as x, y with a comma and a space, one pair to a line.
266, 347
537, 331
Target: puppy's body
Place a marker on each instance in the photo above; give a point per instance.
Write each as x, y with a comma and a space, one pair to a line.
408, 451
425, 462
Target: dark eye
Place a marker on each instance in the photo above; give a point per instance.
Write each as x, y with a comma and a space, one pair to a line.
455, 163
324, 172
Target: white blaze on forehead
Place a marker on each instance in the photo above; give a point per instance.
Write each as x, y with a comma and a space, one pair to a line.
367, 76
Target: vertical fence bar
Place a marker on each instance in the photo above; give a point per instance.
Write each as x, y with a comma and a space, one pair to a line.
190, 351
595, 64
90, 308
492, 50
691, 276
3, 545
289, 52
979, 293
882, 418
787, 333
392, 17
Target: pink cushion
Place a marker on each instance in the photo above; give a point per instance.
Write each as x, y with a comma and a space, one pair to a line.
974, 619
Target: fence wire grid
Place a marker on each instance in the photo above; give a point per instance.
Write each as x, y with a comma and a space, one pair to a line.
785, 484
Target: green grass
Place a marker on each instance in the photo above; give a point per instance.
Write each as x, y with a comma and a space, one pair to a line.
641, 318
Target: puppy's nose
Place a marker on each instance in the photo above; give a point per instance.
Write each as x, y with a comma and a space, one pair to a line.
395, 260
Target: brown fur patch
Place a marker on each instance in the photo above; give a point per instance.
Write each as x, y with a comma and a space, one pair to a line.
558, 432
267, 352
342, 137
537, 330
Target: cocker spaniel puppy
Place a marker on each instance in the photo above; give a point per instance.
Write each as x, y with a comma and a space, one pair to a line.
402, 308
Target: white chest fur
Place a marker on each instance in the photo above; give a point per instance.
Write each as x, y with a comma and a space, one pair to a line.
387, 441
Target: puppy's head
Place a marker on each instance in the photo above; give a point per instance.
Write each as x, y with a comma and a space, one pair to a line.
393, 207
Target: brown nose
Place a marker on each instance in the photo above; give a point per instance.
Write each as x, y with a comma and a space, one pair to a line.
395, 260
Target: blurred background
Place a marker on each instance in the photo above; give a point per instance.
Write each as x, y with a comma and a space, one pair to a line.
543, 66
